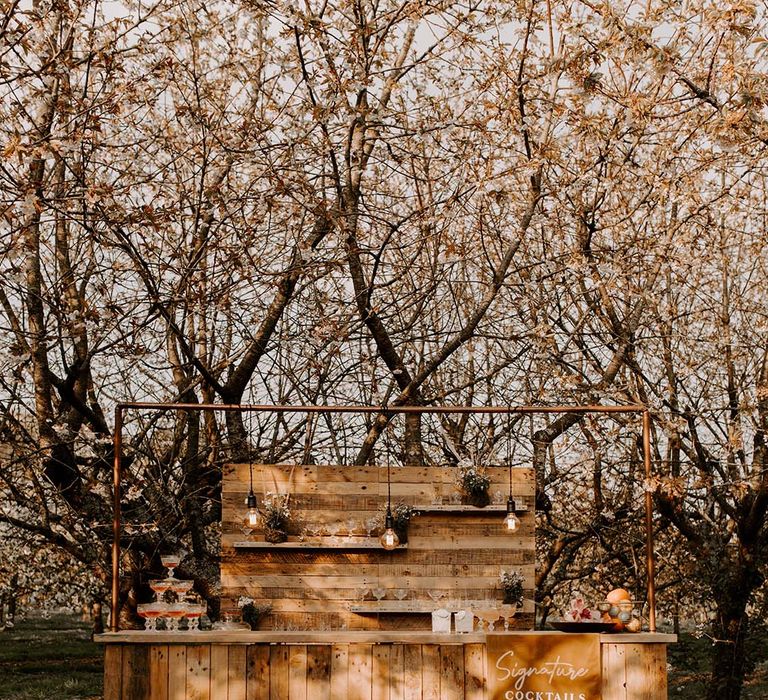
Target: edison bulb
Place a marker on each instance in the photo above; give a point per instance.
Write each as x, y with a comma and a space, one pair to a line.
251, 519
511, 522
389, 539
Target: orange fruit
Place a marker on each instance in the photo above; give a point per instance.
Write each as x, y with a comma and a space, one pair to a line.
617, 595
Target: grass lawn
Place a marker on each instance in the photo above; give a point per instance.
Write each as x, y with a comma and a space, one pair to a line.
45, 659
690, 661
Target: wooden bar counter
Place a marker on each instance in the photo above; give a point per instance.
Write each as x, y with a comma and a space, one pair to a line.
341, 665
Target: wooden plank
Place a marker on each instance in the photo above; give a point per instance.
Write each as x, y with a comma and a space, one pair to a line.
413, 555
474, 672
279, 672
319, 672
430, 671
380, 673
257, 672
645, 668
113, 669
237, 672
412, 672
199, 672
219, 673
351, 582
158, 672
614, 671
360, 668
297, 678
339, 670
396, 672
177, 672
306, 475
656, 670
135, 672
451, 672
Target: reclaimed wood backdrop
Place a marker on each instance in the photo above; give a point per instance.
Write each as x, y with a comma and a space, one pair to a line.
457, 553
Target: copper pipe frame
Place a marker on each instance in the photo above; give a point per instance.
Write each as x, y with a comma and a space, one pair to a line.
243, 408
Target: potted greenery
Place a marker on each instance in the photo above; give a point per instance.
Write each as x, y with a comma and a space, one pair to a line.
473, 483
275, 515
251, 612
512, 587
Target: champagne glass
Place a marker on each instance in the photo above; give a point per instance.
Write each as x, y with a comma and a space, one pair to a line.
149, 612
173, 615
379, 593
170, 562
193, 613
159, 586
181, 586
435, 595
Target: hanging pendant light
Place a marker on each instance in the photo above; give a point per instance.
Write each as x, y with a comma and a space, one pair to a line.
389, 539
511, 521
252, 515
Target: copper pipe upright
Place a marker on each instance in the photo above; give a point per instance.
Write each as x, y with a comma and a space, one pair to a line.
651, 567
114, 623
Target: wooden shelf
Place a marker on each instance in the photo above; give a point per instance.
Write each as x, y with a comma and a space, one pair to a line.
318, 543
460, 508
422, 607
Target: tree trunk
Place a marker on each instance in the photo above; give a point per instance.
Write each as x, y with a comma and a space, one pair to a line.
98, 620
728, 663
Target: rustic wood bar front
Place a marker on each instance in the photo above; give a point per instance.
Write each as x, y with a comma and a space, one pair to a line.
354, 665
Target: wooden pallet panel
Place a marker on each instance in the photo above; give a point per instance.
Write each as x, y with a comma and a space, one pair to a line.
199, 672
236, 688
279, 672
430, 671
219, 674
460, 554
319, 672
412, 672
257, 672
113, 669
339, 670
158, 672
359, 683
177, 672
474, 672
380, 672
135, 672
